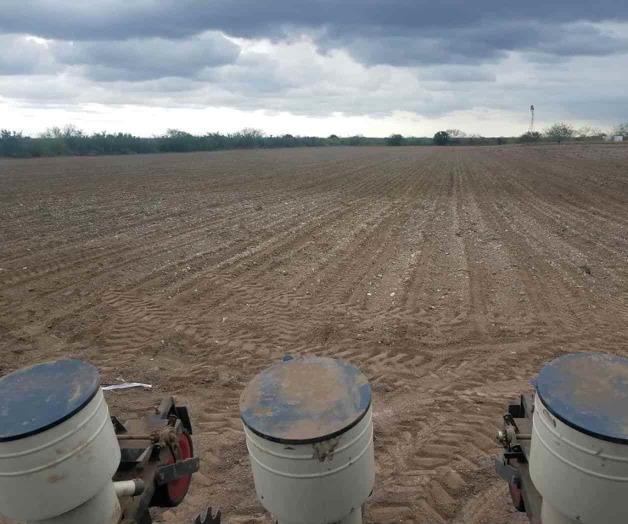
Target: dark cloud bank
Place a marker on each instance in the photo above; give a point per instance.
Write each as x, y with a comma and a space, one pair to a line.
151, 41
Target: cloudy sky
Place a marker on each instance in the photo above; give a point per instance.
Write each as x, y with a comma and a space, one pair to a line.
313, 67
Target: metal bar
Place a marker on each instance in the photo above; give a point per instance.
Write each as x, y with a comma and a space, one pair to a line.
181, 468
531, 497
136, 437
505, 471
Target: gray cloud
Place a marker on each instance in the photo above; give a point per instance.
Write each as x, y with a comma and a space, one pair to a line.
581, 39
21, 55
477, 44
115, 19
319, 56
395, 32
457, 74
144, 59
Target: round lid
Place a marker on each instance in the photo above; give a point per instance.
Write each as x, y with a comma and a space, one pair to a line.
39, 397
305, 399
589, 392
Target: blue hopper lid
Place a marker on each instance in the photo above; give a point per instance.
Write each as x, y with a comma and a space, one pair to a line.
305, 399
42, 396
589, 392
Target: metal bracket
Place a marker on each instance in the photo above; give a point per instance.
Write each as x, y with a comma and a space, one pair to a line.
505, 471
181, 468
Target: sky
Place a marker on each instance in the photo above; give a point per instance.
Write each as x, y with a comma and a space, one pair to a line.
315, 67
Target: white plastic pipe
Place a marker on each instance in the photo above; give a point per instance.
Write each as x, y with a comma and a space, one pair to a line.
129, 488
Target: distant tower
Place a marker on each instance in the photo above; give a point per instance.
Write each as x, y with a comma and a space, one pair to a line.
531, 119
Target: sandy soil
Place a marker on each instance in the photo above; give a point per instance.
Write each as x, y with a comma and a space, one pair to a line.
447, 275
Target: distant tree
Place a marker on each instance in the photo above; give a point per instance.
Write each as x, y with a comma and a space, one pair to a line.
355, 140
287, 140
441, 138
178, 141
71, 131
333, 137
177, 133
247, 138
621, 129
54, 142
456, 133
11, 143
559, 132
589, 132
530, 136
251, 131
52, 132
394, 140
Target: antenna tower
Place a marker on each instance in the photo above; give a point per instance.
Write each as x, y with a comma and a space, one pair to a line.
531, 119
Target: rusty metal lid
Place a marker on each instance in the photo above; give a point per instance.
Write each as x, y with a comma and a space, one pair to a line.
305, 399
589, 392
39, 397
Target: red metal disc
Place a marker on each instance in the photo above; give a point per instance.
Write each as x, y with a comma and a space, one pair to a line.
177, 489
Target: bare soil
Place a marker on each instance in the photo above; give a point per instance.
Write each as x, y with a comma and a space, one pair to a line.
448, 275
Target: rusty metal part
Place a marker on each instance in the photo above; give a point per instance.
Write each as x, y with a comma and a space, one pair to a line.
150, 452
513, 465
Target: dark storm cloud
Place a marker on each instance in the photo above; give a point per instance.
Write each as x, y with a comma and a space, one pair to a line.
148, 58
394, 32
477, 44
115, 19
325, 56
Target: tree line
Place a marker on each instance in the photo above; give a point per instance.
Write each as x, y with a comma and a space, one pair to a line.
72, 141
558, 132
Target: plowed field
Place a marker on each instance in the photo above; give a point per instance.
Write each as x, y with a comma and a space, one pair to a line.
448, 275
